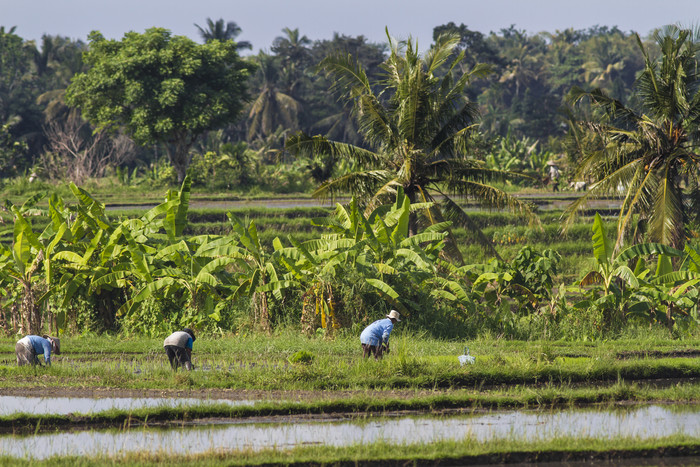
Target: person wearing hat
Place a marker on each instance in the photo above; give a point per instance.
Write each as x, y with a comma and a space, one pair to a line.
29, 347
178, 348
375, 337
554, 175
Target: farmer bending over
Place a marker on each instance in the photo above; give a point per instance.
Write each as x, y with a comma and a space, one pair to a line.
178, 347
375, 337
28, 347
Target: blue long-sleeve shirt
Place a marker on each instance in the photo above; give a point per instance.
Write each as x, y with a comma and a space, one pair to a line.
377, 332
40, 345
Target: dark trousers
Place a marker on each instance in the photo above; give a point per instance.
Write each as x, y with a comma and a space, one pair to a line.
376, 350
178, 356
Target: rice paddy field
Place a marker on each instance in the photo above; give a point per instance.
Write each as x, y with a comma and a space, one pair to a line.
113, 399
248, 401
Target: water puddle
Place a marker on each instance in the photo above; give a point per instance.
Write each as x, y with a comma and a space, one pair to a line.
85, 405
642, 423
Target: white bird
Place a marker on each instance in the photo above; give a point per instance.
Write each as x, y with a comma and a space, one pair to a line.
466, 358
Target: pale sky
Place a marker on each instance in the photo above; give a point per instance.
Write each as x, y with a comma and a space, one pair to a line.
263, 20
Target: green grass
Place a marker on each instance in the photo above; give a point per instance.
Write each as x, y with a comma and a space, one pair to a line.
463, 452
416, 363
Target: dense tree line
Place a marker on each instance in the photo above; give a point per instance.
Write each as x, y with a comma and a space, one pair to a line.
524, 96
417, 141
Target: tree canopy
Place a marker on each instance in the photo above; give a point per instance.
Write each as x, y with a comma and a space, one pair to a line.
416, 123
649, 153
161, 88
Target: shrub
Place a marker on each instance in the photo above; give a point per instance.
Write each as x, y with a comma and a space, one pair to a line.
301, 357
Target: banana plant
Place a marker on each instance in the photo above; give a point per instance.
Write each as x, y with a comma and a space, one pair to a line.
377, 246
256, 273
20, 264
190, 271
611, 267
313, 265
30, 254
625, 290
149, 258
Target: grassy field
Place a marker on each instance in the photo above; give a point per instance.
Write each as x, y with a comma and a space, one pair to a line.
415, 363
560, 450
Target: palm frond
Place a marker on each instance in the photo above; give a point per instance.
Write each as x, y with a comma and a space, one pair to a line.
666, 218
493, 198
349, 77
433, 216
453, 212
360, 184
301, 144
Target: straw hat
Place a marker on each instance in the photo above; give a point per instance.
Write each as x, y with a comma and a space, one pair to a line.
393, 315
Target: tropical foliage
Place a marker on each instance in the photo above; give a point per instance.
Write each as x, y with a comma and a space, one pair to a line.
416, 125
523, 95
412, 136
161, 88
626, 285
649, 155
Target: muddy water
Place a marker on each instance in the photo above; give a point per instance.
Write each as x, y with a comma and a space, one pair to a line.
644, 422
85, 405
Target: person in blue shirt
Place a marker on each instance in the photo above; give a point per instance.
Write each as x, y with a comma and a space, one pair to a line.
375, 337
29, 347
178, 348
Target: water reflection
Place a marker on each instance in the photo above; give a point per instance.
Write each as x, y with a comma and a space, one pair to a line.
85, 405
645, 422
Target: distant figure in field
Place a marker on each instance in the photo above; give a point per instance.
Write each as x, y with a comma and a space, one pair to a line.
578, 186
29, 347
178, 348
554, 175
375, 337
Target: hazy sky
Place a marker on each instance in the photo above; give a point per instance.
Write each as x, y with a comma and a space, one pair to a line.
263, 20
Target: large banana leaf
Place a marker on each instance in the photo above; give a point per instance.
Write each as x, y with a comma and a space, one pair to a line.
414, 257
418, 239
627, 275
383, 268
602, 247
648, 249
400, 230
456, 290
676, 277
383, 288
692, 258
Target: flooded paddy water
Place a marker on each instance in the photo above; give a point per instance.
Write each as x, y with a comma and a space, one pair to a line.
544, 202
645, 422
88, 405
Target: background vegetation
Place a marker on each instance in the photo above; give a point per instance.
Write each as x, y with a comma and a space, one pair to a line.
422, 141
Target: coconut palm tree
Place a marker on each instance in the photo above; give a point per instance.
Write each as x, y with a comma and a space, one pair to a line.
648, 154
292, 47
272, 108
223, 31
416, 124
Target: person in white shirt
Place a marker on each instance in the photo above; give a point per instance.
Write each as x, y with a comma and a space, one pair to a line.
178, 348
